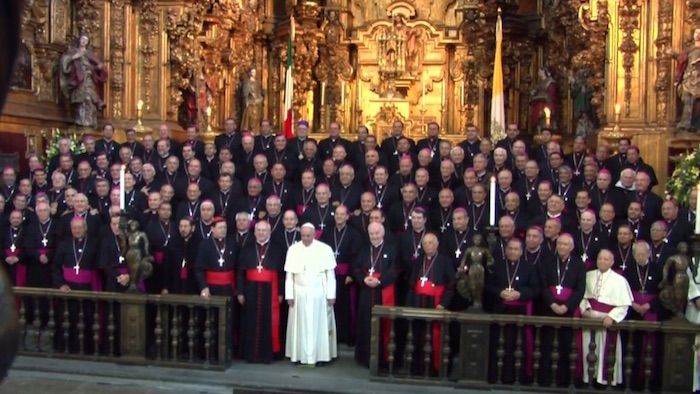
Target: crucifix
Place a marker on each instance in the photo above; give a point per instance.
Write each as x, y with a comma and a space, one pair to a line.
45, 242
259, 268
379, 205
443, 228
336, 254
322, 226
423, 279
121, 259
221, 261
624, 266
584, 257
77, 268
559, 289
458, 252
371, 271
415, 254
13, 248
528, 195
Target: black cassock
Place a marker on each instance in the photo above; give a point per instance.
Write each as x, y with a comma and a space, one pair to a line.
644, 282
432, 283
348, 196
320, 217
75, 265
111, 262
564, 283
38, 273
12, 245
524, 278
587, 246
215, 268
160, 234
623, 257
346, 244
379, 262
180, 256
260, 279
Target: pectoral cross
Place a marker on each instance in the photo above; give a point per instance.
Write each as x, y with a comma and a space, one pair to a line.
624, 266
259, 268
371, 271
559, 289
322, 226
423, 279
458, 252
528, 195
121, 259
509, 288
379, 205
415, 254
13, 248
577, 172
77, 268
443, 228
405, 225
221, 261
584, 257
336, 254
44, 241
183, 263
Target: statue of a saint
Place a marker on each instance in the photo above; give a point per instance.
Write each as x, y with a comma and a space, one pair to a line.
138, 261
688, 83
471, 272
187, 111
253, 103
413, 50
81, 77
544, 95
674, 293
581, 93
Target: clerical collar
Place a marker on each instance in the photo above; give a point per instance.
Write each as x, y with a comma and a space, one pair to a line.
379, 245
644, 264
419, 231
553, 216
294, 230
242, 232
340, 228
537, 249
587, 232
263, 243
461, 231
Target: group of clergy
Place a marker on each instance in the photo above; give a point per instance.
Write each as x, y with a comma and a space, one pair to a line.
391, 223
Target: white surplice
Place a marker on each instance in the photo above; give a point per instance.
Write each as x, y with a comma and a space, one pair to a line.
693, 315
612, 289
310, 282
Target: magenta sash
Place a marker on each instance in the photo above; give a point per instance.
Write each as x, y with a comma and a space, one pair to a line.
158, 257
343, 269
317, 234
10, 253
599, 306
125, 271
529, 337
642, 299
21, 278
300, 209
563, 297
83, 277
45, 252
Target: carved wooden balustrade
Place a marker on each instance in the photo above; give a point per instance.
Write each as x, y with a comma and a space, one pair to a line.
167, 330
489, 345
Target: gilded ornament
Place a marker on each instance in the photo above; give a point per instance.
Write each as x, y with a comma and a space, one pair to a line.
688, 84
628, 24
117, 49
663, 64
149, 28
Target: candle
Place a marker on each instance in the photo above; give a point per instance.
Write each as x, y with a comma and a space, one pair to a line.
492, 202
122, 191
139, 105
208, 112
547, 113
342, 93
697, 209
618, 109
323, 93
444, 92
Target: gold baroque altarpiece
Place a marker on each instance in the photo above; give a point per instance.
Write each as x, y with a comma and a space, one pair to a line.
368, 62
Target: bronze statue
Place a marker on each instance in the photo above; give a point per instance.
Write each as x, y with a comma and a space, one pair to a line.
688, 84
138, 261
470, 276
674, 293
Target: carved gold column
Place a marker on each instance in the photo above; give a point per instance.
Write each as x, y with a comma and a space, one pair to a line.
306, 43
116, 53
148, 46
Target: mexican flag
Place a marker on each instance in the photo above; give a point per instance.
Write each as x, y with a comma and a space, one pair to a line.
289, 85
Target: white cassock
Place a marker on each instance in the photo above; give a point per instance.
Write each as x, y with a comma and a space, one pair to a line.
311, 334
693, 315
607, 294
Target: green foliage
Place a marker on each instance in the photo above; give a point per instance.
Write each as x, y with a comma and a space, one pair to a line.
76, 144
684, 178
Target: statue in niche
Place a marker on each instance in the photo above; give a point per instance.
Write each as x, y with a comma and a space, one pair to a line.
22, 73
187, 111
81, 77
412, 40
688, 84
584, 114
544, 96
400, 50
253, 102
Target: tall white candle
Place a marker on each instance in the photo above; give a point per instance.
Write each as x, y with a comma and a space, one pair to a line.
697, 209
492, 202
122, 191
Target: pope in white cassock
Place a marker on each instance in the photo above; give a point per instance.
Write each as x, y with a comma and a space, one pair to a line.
607, 298
692, 313
310, 293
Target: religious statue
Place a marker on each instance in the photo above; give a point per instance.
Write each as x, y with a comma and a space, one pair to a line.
674, 293
688, 84
81, 77
253, 102
138, 261
400, 50
471, 272
543, 96
187, 111
581, 93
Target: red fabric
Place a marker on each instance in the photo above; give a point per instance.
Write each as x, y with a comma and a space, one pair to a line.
158, 257
318, 234
221, 278
388, 299
10, 253
21, 278
300, 209
599, 306
429, 289
272, 277
288, 133
82, 277
642, 299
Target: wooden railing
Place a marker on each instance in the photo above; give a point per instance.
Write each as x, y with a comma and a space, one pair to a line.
169, 330
478, 349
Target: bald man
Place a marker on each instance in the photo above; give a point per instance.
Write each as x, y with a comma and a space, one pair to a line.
374, 271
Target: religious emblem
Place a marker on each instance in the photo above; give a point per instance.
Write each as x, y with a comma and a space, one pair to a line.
674, 291
138, 261
471, 272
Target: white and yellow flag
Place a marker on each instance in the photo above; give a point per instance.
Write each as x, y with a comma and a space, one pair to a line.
498, 112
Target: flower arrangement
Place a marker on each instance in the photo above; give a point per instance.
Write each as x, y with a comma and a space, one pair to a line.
684, 178
54, 135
